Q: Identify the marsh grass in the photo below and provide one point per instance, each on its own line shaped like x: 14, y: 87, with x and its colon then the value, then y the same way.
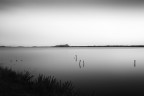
x: 24, y: 84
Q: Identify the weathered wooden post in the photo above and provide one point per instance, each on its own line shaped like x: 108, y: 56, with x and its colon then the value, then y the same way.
x: 79, y: 63
x: 134, y: 63
x: 83, y: 63
x: 76, y: 57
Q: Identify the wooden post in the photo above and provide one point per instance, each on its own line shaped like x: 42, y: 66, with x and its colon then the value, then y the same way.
x: 83, y: 63
x: 76, y: 57
x: 134, y: 63
x: 79, y: 64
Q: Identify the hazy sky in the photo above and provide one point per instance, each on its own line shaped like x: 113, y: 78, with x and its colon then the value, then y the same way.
x: 75, y: 22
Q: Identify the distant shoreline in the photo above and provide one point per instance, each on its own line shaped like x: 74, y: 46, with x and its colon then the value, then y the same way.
x: 100, y: 46
x: 68, y: 46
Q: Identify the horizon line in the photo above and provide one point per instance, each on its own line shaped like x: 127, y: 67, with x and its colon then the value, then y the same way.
x: 66, y: 45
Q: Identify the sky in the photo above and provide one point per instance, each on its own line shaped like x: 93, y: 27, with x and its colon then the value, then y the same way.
x: 73, y: 22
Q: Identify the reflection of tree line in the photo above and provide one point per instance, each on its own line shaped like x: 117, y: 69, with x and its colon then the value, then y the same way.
x: 80, y: 62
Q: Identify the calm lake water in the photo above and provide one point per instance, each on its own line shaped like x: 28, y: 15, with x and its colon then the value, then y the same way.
x: 88, y: 68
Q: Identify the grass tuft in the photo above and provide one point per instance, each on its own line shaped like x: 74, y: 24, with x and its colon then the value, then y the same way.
x: 23, y: 84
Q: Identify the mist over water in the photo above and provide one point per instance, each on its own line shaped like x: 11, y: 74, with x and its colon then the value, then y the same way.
x: 104, y: 70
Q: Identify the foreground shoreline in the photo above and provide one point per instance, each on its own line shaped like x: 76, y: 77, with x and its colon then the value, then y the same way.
x: 23, y: 84
x: 14, y: 83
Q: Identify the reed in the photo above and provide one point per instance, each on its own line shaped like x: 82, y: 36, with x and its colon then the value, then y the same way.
x: 23, y: 84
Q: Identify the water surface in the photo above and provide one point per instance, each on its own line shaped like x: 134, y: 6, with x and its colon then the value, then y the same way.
x: 88, y: 68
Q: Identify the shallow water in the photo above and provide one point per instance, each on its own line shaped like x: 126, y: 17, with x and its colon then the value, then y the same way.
x: 88, y: 68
